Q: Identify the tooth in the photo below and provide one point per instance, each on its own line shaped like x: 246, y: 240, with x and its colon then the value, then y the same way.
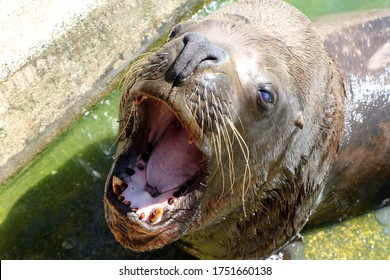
x: 154, y: 193
x: 134, y: 209
x: 127, y: 203
x: 147, y: 152
x: 140, y: 166
x: 155, y: 214
x: 120, y: 198
x: 117, y: 187
x: 145, y: 156
x: 139, y: 100
x: 171, y: 201
x: 183, y: 188
x: 129, y: 171
x: 142, y: 216
x: 177, y: 194
x: 123, y: 187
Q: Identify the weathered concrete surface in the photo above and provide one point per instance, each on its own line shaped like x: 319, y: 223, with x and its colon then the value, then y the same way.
x: 58, y: 57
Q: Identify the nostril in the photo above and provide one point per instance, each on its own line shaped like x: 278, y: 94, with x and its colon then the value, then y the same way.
x: 215, y: 56
x: 197, y: 52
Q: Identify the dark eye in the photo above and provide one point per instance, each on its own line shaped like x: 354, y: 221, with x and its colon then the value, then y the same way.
x: 266, y: 97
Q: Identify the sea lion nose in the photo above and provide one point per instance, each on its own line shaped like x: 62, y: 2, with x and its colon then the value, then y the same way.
x: 197, y: 52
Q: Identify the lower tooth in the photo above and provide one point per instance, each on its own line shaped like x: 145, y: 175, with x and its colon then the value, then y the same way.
x: 140, y: 167
x: 123, y: 187
x: 154, y: 193
x: 156, y: 214
x: 120, y: 198
x: 177, y: 194
x: 183, y: 189
x: 117, y: 185
x: 127, y: 203
x: 129, y: 171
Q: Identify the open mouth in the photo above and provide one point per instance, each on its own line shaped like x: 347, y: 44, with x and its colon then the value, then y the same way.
x: 161, y: 170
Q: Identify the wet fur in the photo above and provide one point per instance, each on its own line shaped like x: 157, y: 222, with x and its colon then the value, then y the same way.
x: 274, y: 174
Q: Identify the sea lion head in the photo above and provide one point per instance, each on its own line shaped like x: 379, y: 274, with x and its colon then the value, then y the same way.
x: 231, y: 125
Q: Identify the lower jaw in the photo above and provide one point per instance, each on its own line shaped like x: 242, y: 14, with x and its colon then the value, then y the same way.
x: 141, y: 236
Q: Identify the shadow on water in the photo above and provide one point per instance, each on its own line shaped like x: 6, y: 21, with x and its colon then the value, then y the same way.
x: 62, y: 217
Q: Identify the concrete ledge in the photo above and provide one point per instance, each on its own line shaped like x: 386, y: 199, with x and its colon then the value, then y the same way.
x: 57, y: 59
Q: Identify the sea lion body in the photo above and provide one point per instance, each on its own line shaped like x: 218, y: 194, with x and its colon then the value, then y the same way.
x: 360, y: 176
x: 228, y: 134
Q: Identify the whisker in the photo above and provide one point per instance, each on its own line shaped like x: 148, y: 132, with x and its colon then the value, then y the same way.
x: 219, y: 156
x: 247, y: 171
x: 227, y: 140
x: 214, y: 145
x: 229, y: 148
x: 229, y: 108
x: 132, y: 115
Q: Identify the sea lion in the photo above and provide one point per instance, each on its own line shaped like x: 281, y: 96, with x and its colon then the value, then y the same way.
x: 360, y: 177
x: 227, y: 135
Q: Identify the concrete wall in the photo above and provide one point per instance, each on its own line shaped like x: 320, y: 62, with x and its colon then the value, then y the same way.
x: 58, y: 57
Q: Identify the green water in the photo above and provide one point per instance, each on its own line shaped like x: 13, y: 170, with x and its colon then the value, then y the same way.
x: 315, y: 8
x: 53, y: 209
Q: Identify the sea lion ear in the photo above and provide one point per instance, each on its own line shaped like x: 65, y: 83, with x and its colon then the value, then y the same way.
x: 299, y: 121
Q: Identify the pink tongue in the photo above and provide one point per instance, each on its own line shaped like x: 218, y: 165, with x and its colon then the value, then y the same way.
x: 173, y: 161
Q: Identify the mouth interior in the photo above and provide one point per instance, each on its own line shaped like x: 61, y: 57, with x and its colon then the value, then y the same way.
x: 168, y: 167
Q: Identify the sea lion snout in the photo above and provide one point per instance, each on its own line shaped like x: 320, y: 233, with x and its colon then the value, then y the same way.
x: 197, y: 52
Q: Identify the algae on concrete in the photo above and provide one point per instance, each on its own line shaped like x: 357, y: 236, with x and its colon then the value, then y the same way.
x: 67, y: 63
